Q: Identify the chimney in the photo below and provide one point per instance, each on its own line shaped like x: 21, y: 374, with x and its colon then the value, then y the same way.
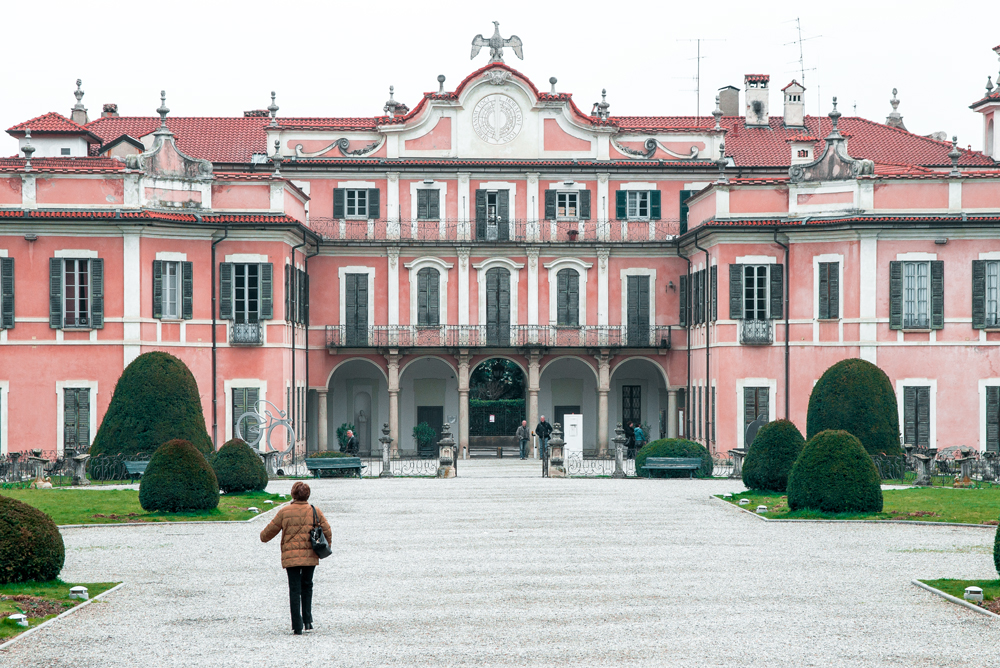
x: 795, y: 105
x: 110, y: 110
x: 757, y: 94
x: 729, y: 100
x: 79, y: 113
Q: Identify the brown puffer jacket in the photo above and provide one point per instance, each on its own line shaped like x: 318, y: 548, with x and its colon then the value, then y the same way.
x: 294, y: 522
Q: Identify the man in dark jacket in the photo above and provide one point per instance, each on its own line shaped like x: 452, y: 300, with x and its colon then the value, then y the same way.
x: 353, y: 446
x: 522, y: 438
x: 543, y: 430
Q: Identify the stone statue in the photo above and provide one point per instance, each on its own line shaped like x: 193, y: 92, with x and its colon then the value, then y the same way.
x: 497, y: 44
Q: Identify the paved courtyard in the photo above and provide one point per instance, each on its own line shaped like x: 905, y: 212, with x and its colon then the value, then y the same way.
x: 491, y: 569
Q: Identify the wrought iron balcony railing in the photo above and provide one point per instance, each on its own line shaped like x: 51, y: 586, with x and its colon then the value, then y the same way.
x: 246, y: 334
x: 486, y: 336
x: 916, y: 322
x: 756, y: 333
x: 514, y: 230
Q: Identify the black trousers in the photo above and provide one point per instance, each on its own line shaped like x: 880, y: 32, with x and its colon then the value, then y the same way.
x: 300, y: 595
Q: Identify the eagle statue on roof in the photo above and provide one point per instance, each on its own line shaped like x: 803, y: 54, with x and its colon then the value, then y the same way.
x: 497, y: 44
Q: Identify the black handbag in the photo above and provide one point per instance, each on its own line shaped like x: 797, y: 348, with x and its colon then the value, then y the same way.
x: 318, y: 538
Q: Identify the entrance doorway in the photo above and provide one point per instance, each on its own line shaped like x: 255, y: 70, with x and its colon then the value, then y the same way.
x: 434, y: 417
x: 496, y: 407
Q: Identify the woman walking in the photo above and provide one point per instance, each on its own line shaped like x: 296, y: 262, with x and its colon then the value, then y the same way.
x: 294, y: 523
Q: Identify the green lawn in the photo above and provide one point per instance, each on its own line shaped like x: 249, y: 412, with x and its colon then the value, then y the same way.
x: 967, y: 506
x: 56, y: 600
x: 991, y: 588
x: 75, y: 506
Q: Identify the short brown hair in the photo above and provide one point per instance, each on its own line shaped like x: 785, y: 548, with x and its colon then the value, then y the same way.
x: 300, y: 491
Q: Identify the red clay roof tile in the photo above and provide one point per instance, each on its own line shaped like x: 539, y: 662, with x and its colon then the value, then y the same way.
x: 52, y: 123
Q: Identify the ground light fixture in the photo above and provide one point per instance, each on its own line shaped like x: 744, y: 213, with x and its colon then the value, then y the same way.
x: 79, y: 592
x: 761, y: 509
x: 744, y: 502
x: 974, y: 594
x: 19, y: 619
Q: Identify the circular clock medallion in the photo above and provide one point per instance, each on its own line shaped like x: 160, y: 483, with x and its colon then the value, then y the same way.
x: 497, y: 119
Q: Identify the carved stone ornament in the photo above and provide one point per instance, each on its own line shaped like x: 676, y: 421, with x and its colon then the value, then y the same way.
x: 602, y: 257
x: 344, y: 145
x: 463, y: 257
x: 533, y: 258
x: 497, y: 44
x: 497, y: 77
x: 650, y: 146
x: 603, y: 178
x: 392, y: 176
x: 497, y: 119
x: 393, y: 257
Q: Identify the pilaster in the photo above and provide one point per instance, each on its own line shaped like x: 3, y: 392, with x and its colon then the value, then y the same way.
x: 603, y: 255
x: 464, y: 231
x: 463, y: 285
x: 603, y: 389
x: 131, y: 300
x: 532, y: 285
x: 392, y: 357
x: 393, y: 291
x: 392, y: 205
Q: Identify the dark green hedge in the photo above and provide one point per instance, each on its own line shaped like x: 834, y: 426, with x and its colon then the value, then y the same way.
x: 996, y: 551
x: 31, y: 547
x: 771, y: 456
x: 835, y: 474
x: 856, y: 396
x: 238, y: 468
x: 156, y: 399
x: 674, y: 447
x: 178, y: 478
x: 327, y: 453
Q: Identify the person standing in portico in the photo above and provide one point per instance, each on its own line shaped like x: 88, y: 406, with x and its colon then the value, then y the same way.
x: 352, y: 446
x: 543, y: 430
x: 522, y: 437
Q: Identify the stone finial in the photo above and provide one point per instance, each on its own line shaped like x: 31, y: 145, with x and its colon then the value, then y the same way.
x: 954, y: 154
x: 601, y: 108
x: 440, y: 84
x: 162, y: 110
x: 78, y: 93
x: 552, y: 82
x: 276, y: 157
x: 27, y: 149
x: 273, y: 109
x: 717, y: 113
x: 835, y: 117
x: 722, y: 163
x: 391, y: 104
x: 894, y: 119
x: 989, y: 84
x: 894, y: 102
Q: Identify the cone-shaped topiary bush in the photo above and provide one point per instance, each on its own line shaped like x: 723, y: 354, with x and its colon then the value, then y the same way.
x: 156, y: 399
x: 178, y: 478
x: 856, y: 396
x: 674, y: 447
x: 771, y: 456
x: 238, y: 468
x: 31, y: 547
x: 835, y: 474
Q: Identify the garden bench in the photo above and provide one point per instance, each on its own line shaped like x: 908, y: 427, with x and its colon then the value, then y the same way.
x: 135, y: 469
x: 690, y: 464
x: 334, y: 464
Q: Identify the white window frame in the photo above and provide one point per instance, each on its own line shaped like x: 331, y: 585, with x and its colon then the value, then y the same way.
x: 995, y: 322
x: 76, y: 299
x: 582, y: 268
x: 515, y: 273
x: 902, y: 384
x: 172, y: 311
x: 623, y: 279
x: 772, y: 385
x: 766, y: 268
x: 342, y: 281
x: 443, y: 268
x: 983, y: 384
x: 245, y: 266
x: 4, y: 401
x: 228, y: 386
x: 61, y: 409
x: 563, y: 198
x: 359, y: 193
x: 641, y: 198
x: 916, y: 302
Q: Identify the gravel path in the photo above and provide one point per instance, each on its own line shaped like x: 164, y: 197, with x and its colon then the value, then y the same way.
x: 505, y: 571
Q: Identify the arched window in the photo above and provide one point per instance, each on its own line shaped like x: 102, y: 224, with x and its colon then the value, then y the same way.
x: 428, y: 297
x: 568, y: 296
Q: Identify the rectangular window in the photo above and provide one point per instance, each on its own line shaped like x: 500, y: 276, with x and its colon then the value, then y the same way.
x: 244, y: 401
x: 76, y: 282
x: 357, y: 203
x: 76, y: 417
x: 638, y: 205
x: 917, y: 416
x: 428, y: 204
x: 246, y: 293
x: 492, y: 202
x: 631, y: 405
x: 566, y: 205
x: 992, y: 296
x: 171, y: 290
x: 993, y: 419
x: 65, y: 151
x: 755, y: 292
x: 916, y: 295
x: 756, y: 403
x: 829, y: 290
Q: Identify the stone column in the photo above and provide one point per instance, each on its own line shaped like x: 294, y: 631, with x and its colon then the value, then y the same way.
x: 671, y: 413
x: 602, y: 207
x: 534, y: 359
x: 393, y: 359
x: 603, y: 389
x: 322, y: 428
x: 463, y: 403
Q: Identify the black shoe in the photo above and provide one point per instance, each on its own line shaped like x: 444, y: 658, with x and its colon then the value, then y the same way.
x: 309, y: 626
x: 297, y: 632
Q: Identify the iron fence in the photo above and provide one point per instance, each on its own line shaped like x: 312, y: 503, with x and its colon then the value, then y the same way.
x: 596, y: 466
x: 484, y: 336
x: 401, y: 466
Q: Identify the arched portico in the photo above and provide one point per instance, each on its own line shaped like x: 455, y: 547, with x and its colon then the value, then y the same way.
x: 358, y: 394
x: 639, y: 394
x: 428, y: 393
x: 569, y: 385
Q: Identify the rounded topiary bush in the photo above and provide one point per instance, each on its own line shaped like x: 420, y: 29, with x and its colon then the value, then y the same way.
x: 156, y: 399
x: 856, y: 396
x: 771, y: 456
x: 31, y: 547
x: 238, y: 468
x: 834, y: 474
x: 178, y: 478
x: 674, y: 447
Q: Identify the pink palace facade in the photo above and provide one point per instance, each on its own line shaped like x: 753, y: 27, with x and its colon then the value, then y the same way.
x: 687, y: 273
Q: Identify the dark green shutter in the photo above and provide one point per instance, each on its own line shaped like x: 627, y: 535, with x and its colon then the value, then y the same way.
x: 374, y: 207
x: 422, y: 280
x: 584, y: 204
x: 993, y: 419
x: 573, y: 297
x: 910, y: 415
x: 187, y: 290
x: 361, y: 320
x: 621, y: 204
x: 777, y: 276
x: 923, y: 417
x: 503, y: 307
x: 434, y: 204
x: 433, y: 297
x: 654, y: 204
x: 305, y: 298
x: 97, y: 293
x: 702, y: 316
x: 550, y: 204
x: 266, y: 291
x: 764, y: 403
x: 896, y: 296
x: 422, y: 204
x: 492, y: 288
x: 749, y: 407
x: 480, y: 214
x: 70, y: 415
x: 683, y: 215
x: 562, y: 298
x: 339, y: 202
x: 735, y: 291
x: 824, y: 290
x: 55, y: 292
x: 226, y: 290
x: 937, y: 294
x: 157, y: 288
x: 713, y: 288
x: 239, y: 408
x: 6, y: 293
x: 289, y: 308
x: 503, y: 215
x: 979, y: 294
x: 83, y: 417
x: 683, y: 301
x: 834, y: 274
x: 351, y: 308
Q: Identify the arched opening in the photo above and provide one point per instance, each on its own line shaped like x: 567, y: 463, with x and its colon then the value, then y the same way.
x: 428, y: 394
x: 568, y: 385
x: 638, y: 397
x: 496, y: 407
x: 357, y: 398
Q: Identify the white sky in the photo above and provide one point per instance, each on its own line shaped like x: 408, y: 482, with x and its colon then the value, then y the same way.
x: 339, y: 58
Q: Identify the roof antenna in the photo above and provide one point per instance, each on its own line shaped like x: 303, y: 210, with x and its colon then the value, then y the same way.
x: 273, y: 108
x: 27, y: 149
